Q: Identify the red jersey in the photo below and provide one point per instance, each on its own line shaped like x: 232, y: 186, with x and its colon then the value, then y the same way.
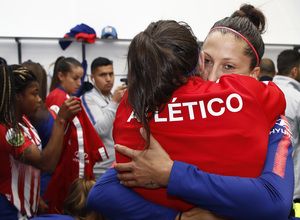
x: 222, y: 128
x: 82, y: 148
x: 19, y: 182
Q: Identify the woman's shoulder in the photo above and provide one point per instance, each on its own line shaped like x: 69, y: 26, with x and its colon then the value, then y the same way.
x: 249, y: 82
x: 56, y: 92
x: 56, y: 97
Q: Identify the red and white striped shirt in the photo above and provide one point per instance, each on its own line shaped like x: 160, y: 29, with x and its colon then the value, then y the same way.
x: 19, y: 182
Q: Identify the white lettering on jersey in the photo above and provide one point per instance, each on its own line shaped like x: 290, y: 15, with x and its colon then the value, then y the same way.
x: 175, y: 109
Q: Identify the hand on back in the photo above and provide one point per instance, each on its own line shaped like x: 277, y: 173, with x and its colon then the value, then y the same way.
x: 150, y: 168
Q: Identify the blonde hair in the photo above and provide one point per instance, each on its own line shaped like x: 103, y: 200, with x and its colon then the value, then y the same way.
x: 75, y: 203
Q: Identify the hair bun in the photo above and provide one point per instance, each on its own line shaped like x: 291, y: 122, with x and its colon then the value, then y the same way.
x: 253, y: 14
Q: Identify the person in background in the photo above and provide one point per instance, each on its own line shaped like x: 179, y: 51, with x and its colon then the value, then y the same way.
x: 74, y: 207
x: 21, y: 155
x: 101, y: 106
x: 82, y: 147
x: 41, y: 75
x: 265, y: 197
x: 267, y: 70
x: 43, y: 122
x: 66, y: 80
x: 288, y: 80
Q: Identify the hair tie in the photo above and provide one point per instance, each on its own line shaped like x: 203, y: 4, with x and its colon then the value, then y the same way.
x: 223, y: 27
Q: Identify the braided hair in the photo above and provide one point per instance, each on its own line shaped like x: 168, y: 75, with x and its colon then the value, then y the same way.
x: 13, y: 79
x: 7, y: 93
x: 23, y: 77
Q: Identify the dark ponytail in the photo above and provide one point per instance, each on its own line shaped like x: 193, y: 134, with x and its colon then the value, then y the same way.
x: 159, y: 60
x: 254, y: 15
x: 63, y: 65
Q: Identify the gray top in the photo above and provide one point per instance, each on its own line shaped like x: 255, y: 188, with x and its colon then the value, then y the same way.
x: 102, y: 112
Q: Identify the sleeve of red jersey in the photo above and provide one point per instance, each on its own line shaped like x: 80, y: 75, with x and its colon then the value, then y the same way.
x: 268, y: 95
x: 18, y: 150
x: 55, y: 99
x: 15, y: 147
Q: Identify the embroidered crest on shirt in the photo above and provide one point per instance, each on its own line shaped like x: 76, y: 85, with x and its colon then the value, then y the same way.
x: 13, y: 138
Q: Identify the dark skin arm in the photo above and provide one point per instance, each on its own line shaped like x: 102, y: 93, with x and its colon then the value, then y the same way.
x: 43, y: 207
x: 47, y: 159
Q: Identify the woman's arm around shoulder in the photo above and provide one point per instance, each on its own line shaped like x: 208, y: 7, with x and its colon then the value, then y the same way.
x: 114, y: 201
